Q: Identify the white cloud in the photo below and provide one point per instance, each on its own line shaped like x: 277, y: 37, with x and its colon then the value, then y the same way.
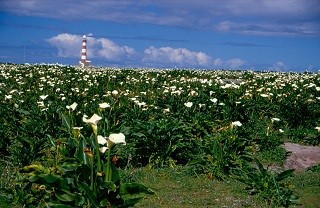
x: 69, y: 46
x: 180, y: 57
x: 113, y: 52
x: 278, y: 66
x: 235, y: 63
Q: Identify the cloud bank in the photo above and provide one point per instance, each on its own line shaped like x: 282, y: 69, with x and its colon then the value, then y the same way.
x: 263, y: 17
x: 103, y: 49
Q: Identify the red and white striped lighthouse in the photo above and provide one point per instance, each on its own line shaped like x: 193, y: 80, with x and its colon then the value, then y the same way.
x: 84, y: 62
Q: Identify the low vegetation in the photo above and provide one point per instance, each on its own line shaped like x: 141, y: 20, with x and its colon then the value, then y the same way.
x: 152, y: 138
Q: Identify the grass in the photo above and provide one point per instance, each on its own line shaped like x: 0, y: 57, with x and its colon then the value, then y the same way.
x: 307, y: 186
x: 180, y: 187
x: 177, y: 188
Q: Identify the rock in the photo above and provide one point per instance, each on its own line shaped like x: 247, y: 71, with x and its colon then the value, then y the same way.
x: 301, y: 157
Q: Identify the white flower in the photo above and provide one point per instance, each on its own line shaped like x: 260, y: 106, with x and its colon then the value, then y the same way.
x: 117, y: 138
x: 114, y: 92
x: 188, y: 104
x: 103, y: 149
x: 93, y: 120
x: 101, y: 140
x: 104, y: 105
x: 281, y: 131
x: 72, y: 107
x: 41, y: 104
x: 7, y: 97
x: 264, y: 95
x: 43, y: 96
x: 214, y: 100
x: 141, y: 104
x: 236, y: 123
x: 275, y: 119
x: 318, y: 128
x: 166, y: 110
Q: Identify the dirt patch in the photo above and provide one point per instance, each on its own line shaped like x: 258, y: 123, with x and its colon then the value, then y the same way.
x: 301, y: 157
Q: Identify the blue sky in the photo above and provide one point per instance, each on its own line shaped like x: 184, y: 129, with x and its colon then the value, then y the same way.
x: 281, y: 35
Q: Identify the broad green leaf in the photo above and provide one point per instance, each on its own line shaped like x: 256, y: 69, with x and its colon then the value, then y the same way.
x: 109, y: 185
x: 284, y: 174
x: 105, y: 203
x: 53, y: 205
x: 69, y: 167
x: 89, y: 193
x: 33, y: 178
x: 23, y: 111
x: 65, y: 122
x: 49, y: 178
x: 81, y: 155
x: 67, y: 197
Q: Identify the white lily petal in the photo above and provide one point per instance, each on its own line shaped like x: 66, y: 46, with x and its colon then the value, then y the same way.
x: 103, y: 149
x: 236, y: 123
x: 117, y: 138
x: 101, y: 140
x: 93, y: 120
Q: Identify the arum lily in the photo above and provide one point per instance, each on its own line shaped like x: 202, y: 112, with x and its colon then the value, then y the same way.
x: 8, y: 97
x: 214, y: 100
x: 117, y: 138
x: 236, y: 123
x: 43, y: 96
x: 188, y: 104
x: 72, y: 107
x: 104, y: 105
x: 275, y: 119
x: 93, y: 121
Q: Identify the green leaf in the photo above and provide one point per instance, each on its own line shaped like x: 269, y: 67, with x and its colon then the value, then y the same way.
x: 89, y: 193
x: 134, y: 188
x: 33, y: 178
x: 53, y: 142
x: 139, y: 134
x: 284, y: 174
x: 109, y: 185
x: 67, y: 197
x: 105, y: 203
x: 23, y: 111
x: 81, y: 155
x: 50, y: 204
x: 49, y: 178
x: 69, y: 167
x: 65, y: 122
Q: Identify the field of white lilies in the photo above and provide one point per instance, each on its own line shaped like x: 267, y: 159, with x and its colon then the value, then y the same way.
x: 68, y: 131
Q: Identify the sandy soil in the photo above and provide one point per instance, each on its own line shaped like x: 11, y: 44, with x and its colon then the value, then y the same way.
x: 301, y: 157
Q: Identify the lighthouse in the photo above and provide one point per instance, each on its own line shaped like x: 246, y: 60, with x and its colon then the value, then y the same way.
x: 83, y: 61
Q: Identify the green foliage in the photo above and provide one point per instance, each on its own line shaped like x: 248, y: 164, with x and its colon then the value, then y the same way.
x: 271, y: 186
x: 149, y: 107
x: 79, y: 175
x: 224, y: 153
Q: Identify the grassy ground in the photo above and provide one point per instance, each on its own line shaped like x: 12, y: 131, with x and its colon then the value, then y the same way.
x: 178, y: 188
